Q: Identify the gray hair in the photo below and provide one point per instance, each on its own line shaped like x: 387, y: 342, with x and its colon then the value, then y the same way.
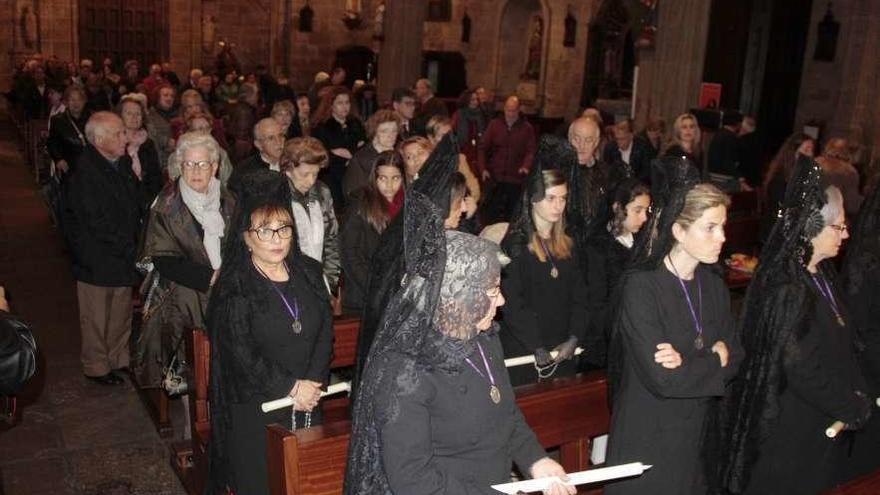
x: 833, y: 208
x: 96, y: 127
x: 188, y: 141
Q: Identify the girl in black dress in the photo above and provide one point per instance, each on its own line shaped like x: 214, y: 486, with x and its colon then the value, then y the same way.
x: 800, y: 373
x: 608, y: 252
x: 543, y: 284
x: 271, y: 334
x: 675, y: 334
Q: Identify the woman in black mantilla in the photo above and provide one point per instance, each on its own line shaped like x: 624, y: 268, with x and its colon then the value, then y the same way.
x: 674, y: 331
x: 800, y: 373
x: 861, y: 281
x: 544, y: 286
x: 271, y: 334
x: 608, y: 253
x: 435, y: 412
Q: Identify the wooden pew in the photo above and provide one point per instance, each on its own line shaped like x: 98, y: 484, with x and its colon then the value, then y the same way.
x: 190, y: 461
x: 564, y: 413
x: 868, y: 484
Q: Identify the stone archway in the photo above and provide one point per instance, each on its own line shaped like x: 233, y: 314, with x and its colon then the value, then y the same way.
x: 521, y: 60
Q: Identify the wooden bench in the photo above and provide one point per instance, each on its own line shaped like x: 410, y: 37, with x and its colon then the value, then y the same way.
x: 564, y: 413
x: 190, y: 461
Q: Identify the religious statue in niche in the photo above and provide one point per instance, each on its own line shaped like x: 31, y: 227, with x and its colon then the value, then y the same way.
x: 306, y: 18
x: 826, y: 39
x: 353, y: 14
x: 28, y: 26
x: 439, y: 10
x: 645, y: 17
x: 379, y: 22
x: 209, y: 29
x: 570, y: 37
x: 535, y: 47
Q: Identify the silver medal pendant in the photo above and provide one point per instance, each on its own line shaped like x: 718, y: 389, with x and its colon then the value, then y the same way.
x: 495, y: 394
x: 554, y: 272
x: 698, y: 342
x: 296, y: 326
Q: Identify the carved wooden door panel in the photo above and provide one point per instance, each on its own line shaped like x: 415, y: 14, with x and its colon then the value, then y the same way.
x: 123, y: 30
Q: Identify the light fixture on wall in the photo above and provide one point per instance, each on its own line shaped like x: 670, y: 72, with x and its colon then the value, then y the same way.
x: 826, y: 38
x: 466, y: 28
x: 306, y: 18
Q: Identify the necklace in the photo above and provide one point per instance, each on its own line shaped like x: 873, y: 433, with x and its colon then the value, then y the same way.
x: 553, y: 271
x: 296, y: 326
x: 494, y: 391
x: 698, y: 323
x: 828, y: 295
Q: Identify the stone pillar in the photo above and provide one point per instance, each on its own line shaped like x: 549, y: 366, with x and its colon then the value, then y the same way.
x: 671, y: 73
x: 400, y: 58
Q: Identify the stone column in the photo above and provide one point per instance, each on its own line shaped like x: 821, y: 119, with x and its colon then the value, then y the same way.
x: 400, y: 58
x: 671, y: 73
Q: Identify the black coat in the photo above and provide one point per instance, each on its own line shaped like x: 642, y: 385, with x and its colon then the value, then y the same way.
x: 67, y: 137
x: 357, y: 242
x: 639, y: 159
x: 606, y: 260
x: 723, y: 154
x: 821, y: 377
x: 151, y: 173
x: 102, y: 220
x: 242, y: 169
x: 659, y: 414
x: 333, y: 135
x: 447, y: 436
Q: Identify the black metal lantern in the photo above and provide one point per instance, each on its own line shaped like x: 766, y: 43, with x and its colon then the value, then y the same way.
x: 306, y: 18
x: 466, y: 28
x: 826, y: 41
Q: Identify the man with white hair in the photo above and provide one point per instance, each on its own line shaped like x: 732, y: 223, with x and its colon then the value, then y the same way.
x: 269, y: 142
x: 429, y: 105
x: 102, y: 223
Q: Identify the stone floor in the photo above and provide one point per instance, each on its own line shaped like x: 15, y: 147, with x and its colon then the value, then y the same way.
x: 75, y: 437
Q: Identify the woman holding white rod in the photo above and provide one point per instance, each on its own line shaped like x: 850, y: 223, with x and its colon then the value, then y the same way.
x: 800, y: 373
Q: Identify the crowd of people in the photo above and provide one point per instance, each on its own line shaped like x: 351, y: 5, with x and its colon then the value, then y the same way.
x: 233, y: 203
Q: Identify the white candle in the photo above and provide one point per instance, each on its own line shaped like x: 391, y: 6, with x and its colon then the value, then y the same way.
x: 579, y: 478
x: 283, y: 402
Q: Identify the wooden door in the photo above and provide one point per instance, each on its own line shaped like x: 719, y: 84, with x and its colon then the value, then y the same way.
x: 123, y: 30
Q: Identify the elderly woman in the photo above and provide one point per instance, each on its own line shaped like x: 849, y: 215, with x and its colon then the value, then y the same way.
x: 316, y: 226
x: 284, y: 112
x: 836, y: 163
x: 201, y: 123
x: 159, y: 118
x: 144, y: 155
x: 435, y: 378
x: 187, y: 225
x: 67, y: 137
x: 675, y: 334
x: 370, y: 212
x: 271, y: 334
x: 382, y: 129
x: 800, y: 373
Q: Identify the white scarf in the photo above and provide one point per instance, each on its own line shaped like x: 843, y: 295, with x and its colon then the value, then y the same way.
x: 206, y: 210
x: 309, y: 228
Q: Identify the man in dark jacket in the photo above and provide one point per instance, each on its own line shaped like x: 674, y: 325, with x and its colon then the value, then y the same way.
x: 429, y: 106
x: 505, y: 155
x: 631, y: 152
x: 269, y: 141
x: 102, y: 219
x: 723, y: 155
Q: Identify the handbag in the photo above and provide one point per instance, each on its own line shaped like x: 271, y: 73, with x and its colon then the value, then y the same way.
x: 174, y: 374
x: 18, y: 354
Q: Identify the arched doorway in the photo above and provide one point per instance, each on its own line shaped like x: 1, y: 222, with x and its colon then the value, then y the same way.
x: 521, y: 58
x: 608, y: 73
x: 358, y: 61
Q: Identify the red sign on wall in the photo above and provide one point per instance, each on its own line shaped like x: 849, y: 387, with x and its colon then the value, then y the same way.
x: 710, y: 95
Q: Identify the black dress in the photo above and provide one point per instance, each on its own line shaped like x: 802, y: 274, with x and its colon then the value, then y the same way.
x: 659, y: 415
x: 266, y: 357
x: 449, y: 437
x: 357, y: 242
x: 541, y: 311
x: 333, y: 134
x: 606, y: 260
x: 821, y: 375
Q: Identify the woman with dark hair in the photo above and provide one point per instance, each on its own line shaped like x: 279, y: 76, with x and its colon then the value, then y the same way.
x: 779, y: 173
x: 370, y: 212
x: 544, y: 285
x: 800, y: 373
x: 271, y: 333
x: 143, y: 152
x: 608, y: 252
x: 469, y: 123
x: 341, y: 133
x: 67, y: 137
x: 673, y: 348
x: 861, y: 282
x: 435, y: 412
x: 382, y: 129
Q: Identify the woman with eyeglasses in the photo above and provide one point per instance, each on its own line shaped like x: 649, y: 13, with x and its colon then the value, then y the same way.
x: 181, y: 250
x: 271, y: 334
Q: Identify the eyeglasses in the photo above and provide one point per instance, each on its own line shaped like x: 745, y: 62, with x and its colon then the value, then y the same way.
x: 266, y: 234
x: 840, y: 228
x: 202, y: 165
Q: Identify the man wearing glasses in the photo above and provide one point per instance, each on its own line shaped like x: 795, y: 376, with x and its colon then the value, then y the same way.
x: 269, y: 142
